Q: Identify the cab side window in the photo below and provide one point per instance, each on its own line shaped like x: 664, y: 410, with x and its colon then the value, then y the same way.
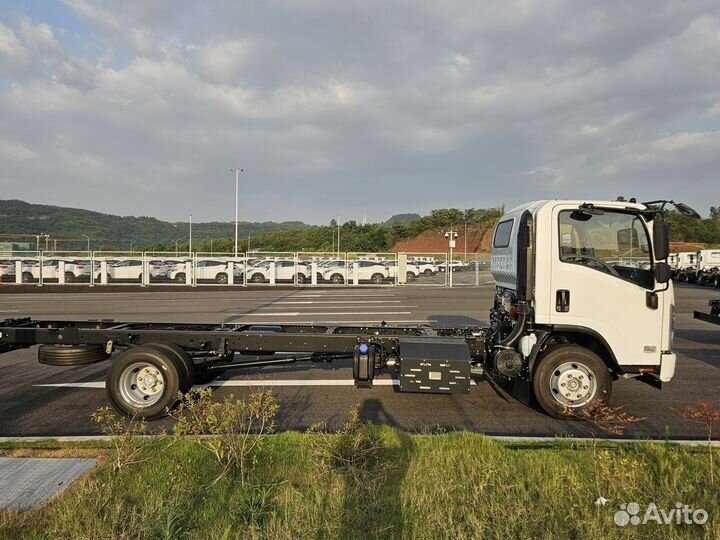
x: 615, y: 243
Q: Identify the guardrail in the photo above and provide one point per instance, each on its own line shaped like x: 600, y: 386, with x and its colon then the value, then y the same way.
x: 300, y: 269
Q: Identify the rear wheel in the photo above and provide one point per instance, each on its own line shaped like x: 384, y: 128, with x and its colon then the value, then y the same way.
x: 144, y: 381
x: 427, y: 272
x: 257, y: 278
x: 410, y: 276
x: 69, y: 277
x: 568, y: 379
x: 27, y: 277
x: 337, y: 279
x: 377, y: 279
x: 180, y: 278
x: 300, y: 279
x: 221, y: 278
x: 183, y: 361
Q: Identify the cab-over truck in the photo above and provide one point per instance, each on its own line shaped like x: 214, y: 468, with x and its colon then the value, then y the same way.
x: 583, y: 297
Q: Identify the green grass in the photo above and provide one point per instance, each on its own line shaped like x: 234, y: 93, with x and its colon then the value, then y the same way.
x: 457, y: 485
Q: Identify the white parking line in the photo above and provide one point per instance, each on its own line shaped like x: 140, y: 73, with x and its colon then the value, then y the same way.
x: 249, y: 383
x: 337, y: 302
x: 335, y: 322
x: 316, y: 313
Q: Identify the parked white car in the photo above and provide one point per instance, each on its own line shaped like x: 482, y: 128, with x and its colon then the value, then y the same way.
x: 412, y: 271
x: 7, y: 270
x: 427, y: 268
x: 205, y: 270
x: 368, y: 271
x: 126, y: 270
x: 74, y: 270
x: 285, y: 271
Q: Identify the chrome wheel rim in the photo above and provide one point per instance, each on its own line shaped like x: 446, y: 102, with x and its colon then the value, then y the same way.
x: 573, y: 384
x: 142, y: 384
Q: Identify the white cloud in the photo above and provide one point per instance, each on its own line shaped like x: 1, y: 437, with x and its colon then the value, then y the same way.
x: 38, y: 36
x: 10, y: 46
x: 327, y: 104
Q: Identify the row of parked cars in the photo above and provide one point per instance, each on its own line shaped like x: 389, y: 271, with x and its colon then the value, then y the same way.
x: 337, y: 271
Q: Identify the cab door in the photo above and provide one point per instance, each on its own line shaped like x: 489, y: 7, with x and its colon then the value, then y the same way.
x: 601, y: 274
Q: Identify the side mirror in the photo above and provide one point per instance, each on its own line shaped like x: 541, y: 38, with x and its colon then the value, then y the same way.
x: 662, y: 272
x: 661, y: 239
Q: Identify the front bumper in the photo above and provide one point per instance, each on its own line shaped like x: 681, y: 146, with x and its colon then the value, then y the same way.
x: 667, y: 366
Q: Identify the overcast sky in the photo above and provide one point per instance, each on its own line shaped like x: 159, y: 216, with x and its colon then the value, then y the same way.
x: 356, y: 107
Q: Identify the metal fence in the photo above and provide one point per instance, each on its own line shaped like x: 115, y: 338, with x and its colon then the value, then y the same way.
x: 245, y: 270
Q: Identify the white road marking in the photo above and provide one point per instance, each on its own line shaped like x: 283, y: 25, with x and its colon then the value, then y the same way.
x: 316, y: 313
x: 249, y: 383
x: 336, y: 302
x: 335, y: 322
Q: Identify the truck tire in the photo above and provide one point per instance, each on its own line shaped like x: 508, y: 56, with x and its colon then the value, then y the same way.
x: 187, y: 368
x: 568, y: 378
x: 144, y: 381
x: 71, y: 355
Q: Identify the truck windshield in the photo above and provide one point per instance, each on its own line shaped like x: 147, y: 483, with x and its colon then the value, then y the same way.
x: 615, y: 243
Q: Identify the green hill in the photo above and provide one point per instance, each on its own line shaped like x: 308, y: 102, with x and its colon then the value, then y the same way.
x: 402, y: 219
x: 108, y: 231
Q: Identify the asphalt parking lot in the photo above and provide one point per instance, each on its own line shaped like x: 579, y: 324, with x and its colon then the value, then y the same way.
x: 37, y: 400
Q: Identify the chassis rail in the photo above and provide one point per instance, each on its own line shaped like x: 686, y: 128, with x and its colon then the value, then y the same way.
x: 714, y: 316
x: 222, y: 340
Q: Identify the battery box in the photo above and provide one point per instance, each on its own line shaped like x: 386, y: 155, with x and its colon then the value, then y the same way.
x: 434, y: 365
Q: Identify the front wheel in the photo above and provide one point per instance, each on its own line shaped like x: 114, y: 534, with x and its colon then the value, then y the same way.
x: 300, y: 279
x: 337, y: 279
x: 27, y: 277
x: 257, y: 278
x: 568, y: 379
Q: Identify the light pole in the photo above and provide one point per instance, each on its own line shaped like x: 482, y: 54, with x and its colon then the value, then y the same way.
x: 211, y: 245
x: 465, y: 238
x: 88, y: 239
x: 451, y: 236
x: 131, y: 247
x: 338, y: 244
x: 237, y: 172
x: 176, y: 247
x: 190, y: 238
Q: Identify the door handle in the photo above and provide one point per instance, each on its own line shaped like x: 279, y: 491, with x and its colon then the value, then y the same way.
x: 562, y: 300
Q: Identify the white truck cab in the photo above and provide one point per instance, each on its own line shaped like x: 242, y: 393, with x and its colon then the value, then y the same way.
x: 583, y: 296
